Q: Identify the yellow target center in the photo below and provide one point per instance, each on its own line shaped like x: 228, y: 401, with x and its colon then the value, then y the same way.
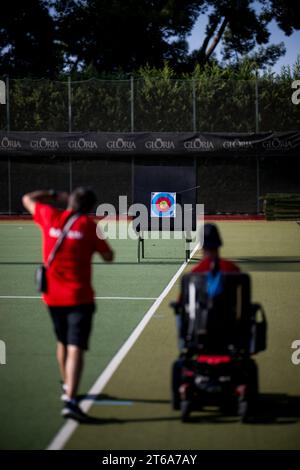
x: 163, y: 205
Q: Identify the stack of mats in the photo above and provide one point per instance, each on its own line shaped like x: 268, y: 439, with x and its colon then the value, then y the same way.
x: 282, y: 206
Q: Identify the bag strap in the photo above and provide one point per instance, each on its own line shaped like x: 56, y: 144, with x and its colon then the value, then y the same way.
x: 61, y: 238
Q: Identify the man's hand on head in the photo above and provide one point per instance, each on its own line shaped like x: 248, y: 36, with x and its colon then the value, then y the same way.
x: 48, y: 196
x: 62, y: 197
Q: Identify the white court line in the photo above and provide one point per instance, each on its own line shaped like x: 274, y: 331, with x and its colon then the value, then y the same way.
x: 67, y: 430
x: 98, y: 298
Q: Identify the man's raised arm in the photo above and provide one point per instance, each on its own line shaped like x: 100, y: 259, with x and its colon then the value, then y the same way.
x: 44, y: 196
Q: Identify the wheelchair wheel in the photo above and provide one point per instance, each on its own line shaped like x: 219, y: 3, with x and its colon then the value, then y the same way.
x: 176, y: 381
x: 253, y: 382
x: 175, y: 400
x: 185, y: 407
x: 243, y: 409
x: 247, y: 405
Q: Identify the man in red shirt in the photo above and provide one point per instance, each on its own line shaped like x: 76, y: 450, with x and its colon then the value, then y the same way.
x: 69, y: 296
x: 211, y: 260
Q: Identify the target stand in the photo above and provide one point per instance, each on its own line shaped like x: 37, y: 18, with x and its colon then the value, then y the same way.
x: 168, y: 190
x: 141, y: 247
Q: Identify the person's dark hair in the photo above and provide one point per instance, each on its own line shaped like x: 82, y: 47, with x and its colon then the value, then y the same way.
x: 211, y: 238
x: 82, y: 200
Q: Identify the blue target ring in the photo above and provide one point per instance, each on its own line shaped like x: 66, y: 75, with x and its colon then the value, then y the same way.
x: 163, y: 204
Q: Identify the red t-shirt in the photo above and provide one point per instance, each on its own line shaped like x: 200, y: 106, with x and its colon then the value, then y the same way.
x: 225, y: 266
x: 69, y: 276
x: 204, y: 266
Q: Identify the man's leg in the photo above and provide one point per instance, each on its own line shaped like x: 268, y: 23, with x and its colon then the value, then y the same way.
x: 73, y: 369
x: 61, y: 356
x: 78, y: 331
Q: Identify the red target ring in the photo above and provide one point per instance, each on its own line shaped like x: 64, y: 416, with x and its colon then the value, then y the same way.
x: 163, y: 204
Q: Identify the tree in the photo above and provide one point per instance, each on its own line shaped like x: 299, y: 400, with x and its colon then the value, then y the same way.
x: 240, y: 28
x: 285, y: 12
x: 27, y: 40
x: 118, y: 34
x: 112, y: 34
x: 43, y: 38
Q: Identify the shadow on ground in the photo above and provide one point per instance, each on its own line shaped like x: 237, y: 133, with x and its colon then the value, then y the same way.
x: 280, y: 409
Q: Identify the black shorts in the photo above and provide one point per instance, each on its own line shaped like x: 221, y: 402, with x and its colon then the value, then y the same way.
x: 72, y: 325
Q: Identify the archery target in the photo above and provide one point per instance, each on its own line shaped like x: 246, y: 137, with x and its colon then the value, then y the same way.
x: 163, y: 204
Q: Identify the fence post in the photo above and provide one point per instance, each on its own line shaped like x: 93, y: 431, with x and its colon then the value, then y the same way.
x: 69, y: 104
x: 7, y: 105
x: 70, y: 130
x: 257, y: 130
x: 2, y: 92
x: 194, y: 106
x: 256, y: 103
x: 132, y: 103
x: 70, y: 174
x: 257, y: 184
x: 9, y: 184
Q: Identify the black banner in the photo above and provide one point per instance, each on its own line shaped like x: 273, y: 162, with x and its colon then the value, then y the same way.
x: 151, y: 143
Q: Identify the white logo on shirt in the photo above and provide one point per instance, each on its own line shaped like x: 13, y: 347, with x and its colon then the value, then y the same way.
x: 72, y: 234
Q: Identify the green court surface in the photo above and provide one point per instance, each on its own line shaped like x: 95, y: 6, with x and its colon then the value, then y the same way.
x: 133, y: 409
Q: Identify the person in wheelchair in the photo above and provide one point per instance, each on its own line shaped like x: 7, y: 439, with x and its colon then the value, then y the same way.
x: 210, y: 263
x: 218, y: 334
x: 211, y: 253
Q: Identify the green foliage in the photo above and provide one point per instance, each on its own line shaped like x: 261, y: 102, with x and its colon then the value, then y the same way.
x: 101, y: 105
x: 212, y: 98
x: 38, y: 105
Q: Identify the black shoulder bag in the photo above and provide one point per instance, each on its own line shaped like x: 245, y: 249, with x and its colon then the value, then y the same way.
x: 40, y: 274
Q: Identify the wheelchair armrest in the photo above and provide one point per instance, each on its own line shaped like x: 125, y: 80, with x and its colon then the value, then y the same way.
x: 258, y: 308
x: 260, y: 328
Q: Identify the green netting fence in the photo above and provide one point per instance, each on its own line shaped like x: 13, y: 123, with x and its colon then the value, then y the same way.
x: 206, y: 105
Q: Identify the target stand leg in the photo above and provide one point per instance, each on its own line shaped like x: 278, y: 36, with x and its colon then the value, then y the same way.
x: 188, y: 241
x: 141, y: 248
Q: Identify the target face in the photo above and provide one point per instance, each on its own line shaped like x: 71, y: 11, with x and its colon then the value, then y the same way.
x: 163, y: 204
